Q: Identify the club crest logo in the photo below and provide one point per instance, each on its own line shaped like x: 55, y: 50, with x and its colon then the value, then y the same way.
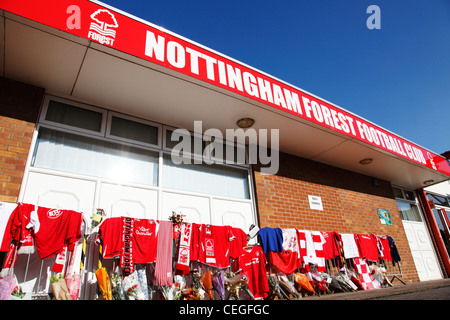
x: 54, y: 213
x: 102, y: 27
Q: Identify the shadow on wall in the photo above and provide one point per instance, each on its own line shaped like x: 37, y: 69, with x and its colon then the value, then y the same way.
x: 297, y: 168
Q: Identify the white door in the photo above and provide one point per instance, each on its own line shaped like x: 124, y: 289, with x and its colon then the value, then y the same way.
x: 119, y: 200
x: 422, y: 250
x: 232, y: 213
x: 196, y: 209
x: 52, y: 191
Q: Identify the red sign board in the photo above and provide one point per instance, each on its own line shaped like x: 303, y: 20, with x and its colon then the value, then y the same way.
x: 111, y: 27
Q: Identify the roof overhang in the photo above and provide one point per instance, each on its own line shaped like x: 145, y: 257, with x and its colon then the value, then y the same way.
x: 78, y: 68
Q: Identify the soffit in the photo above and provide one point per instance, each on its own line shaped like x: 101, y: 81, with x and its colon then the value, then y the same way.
x: 79, y: 69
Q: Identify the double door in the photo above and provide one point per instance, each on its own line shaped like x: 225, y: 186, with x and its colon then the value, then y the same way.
x: 422, y: 251
x: 85, y: 194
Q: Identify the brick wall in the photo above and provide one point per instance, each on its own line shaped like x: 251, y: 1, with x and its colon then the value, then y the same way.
x: 19, y: 109
x: 350, y: 203
x: 15, y: 141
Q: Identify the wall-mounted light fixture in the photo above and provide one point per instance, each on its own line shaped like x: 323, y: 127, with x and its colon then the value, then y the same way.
x: 245, y: 123
x: 366, y: 161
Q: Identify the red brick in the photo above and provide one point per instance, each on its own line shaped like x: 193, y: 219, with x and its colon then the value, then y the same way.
x: 350, y: 206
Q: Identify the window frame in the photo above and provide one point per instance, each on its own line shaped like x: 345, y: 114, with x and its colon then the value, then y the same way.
x: 447, y: 198
x: 404, y: 199
x: 108, y: 134
x: 212, y: 158
x: 46, y: 102
x: 161, y: 147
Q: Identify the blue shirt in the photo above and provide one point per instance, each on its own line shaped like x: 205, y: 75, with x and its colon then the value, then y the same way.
x: 271, y: 239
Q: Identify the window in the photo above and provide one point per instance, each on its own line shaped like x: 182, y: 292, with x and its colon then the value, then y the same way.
x: 398, y: 193
x: 403, y: 194
x: 78, y: 154
x: 60, y: 113
x: 216, y: 150
x: 406, y: 203
x: 442, y: 217
x: 91, y: 141
x: 127, y: 129
x: 438, y: 200
x: 203, y: 178
x: 409, y: 211
x: 409, y: 195
x: 195, y: 143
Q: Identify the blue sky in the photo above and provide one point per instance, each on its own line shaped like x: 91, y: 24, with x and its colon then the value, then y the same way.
x: 397, y: 77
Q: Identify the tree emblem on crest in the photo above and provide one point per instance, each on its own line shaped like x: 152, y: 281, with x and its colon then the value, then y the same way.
x: 105, y: 20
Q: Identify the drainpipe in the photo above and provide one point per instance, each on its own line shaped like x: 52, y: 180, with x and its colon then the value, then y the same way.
x: 435, y: 229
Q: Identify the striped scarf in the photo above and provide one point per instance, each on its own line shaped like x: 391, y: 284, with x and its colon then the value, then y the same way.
x: 184, y: 248
x: 163, y: 265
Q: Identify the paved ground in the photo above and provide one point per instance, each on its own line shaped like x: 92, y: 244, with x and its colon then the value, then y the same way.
x: 436, y: 294
x: 439, y: 289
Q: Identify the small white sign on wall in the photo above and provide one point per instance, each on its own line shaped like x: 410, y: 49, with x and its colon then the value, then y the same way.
x: 315, y: 202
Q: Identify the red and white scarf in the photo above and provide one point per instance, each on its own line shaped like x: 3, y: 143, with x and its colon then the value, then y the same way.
x: 21, y: 230
x: 60, y: 261
x: 367, y: 280
x: 6, y: 216
x: 311, y: 248
x: 163, y: 265
x: 10, y: 261
x: 184, y: 251
x: 126, y: 258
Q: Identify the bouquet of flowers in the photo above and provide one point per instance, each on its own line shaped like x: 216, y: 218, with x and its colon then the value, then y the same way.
x: 177, y: 220
x: 132, y: 288
x: 190, y: 294
x: 207, y: 284
x: 175, y: 291
x: 104, y: 283
x: 301, y: 280
x: 97, y: 217
x: 17, y: 292
x: 176, y: 217
x: 218, y: 281
x: 197, y: 285
x: 7, y: 285
x: 59, y: 287
x: 73, y: 285
x: 116, y: 287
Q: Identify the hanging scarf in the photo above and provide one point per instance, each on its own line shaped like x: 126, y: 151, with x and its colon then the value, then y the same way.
x: 365, y: 275
x: 184, y: 251
x: 6, y: 216
x: 286, y: 261
x: 20, y: 230
x: 58, y: 265
x: 163, y: 265
x: 210, y: 251
x: 126, y: 258
x: 10, y: 261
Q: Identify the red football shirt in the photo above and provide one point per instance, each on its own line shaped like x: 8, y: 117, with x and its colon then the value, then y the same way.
x: 368, y: 246
x: 145, y: 240
x: 253, y: 265
x: 110, y: 232
x: 238, y: 241
x: 54, y: 229
x: 214, y: 248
